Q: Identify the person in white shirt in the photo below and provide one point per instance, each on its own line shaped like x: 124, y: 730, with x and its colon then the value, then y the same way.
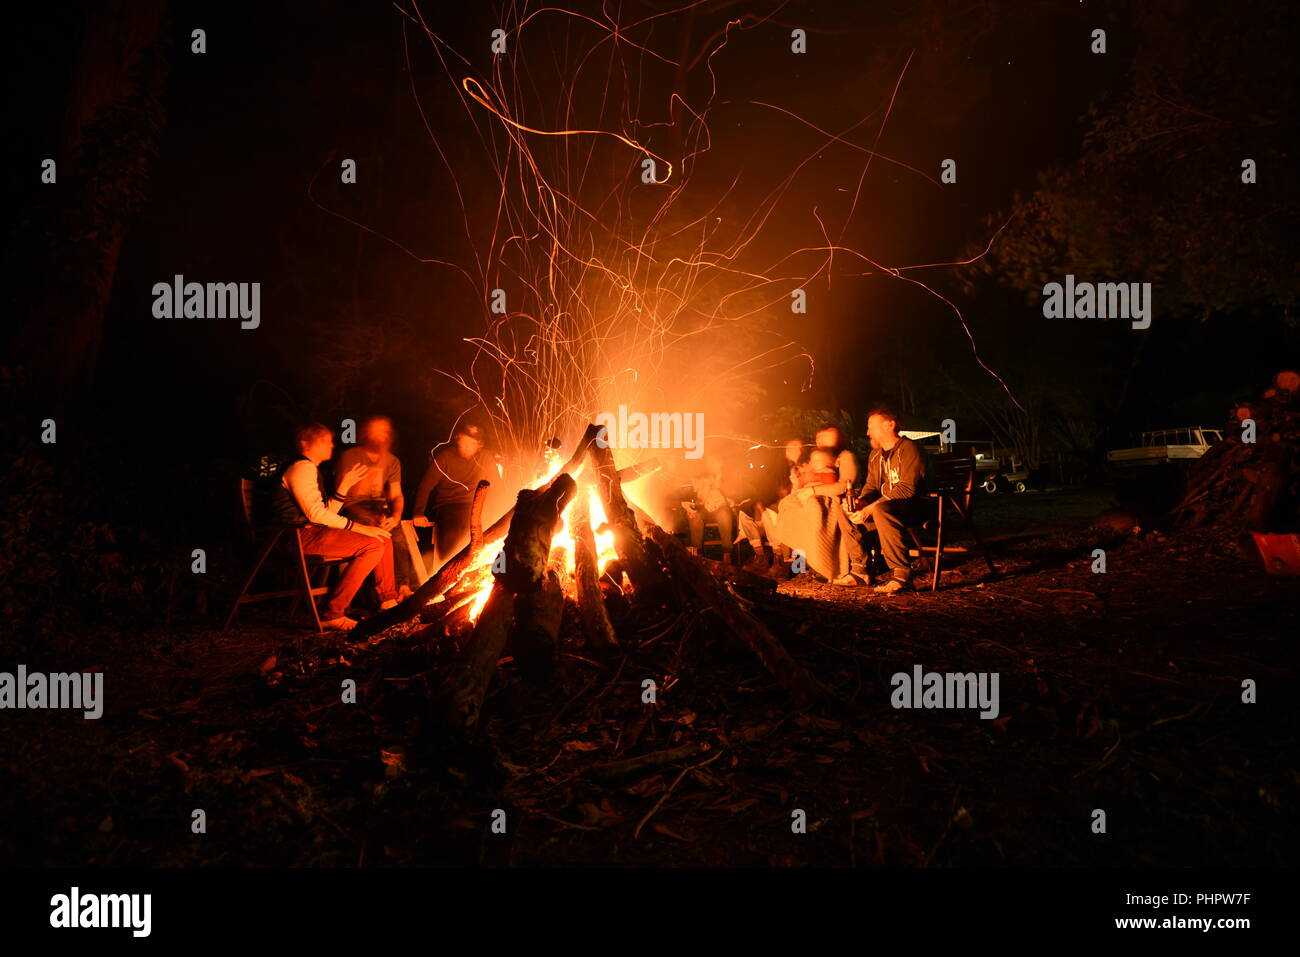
x: 329, y: 535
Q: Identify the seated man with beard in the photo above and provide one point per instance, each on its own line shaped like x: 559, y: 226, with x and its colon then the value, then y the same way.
x: 894, y: 494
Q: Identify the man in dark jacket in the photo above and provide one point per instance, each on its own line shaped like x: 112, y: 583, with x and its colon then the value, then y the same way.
x: 893, y: 495
x: 446, y: 493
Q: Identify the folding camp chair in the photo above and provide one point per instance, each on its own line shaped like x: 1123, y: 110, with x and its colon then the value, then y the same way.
x: 303, y: 568
x: 952, y: 485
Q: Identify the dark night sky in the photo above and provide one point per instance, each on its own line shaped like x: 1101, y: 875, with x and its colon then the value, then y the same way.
x: 287, y: 88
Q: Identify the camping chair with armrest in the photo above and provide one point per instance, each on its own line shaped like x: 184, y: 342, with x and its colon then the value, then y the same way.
x: 951, y: 489
x: 304, y: 565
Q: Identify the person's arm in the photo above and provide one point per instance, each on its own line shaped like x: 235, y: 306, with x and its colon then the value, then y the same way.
x: 396, y: 503
x: 393, y: 492
x: 829, y: 489
x: 424, y: 491
x: 848, y: 468
x: 907, y: 458
x: 300, y: 479
x: 870, y: 493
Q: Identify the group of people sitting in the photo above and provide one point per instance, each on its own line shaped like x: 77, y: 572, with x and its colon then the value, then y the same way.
x: 817, y: 515
x: 357, y: 519
x: 824, y: 513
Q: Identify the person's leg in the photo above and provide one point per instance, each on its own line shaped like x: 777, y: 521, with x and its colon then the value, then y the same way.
x: 753, y: 532
x: 750, y: 529
x: 403, y: 571
x: 373, y: 513
x: 385, y: 577
x: 695, y: 519
x: 366, y: 555
x: 852, y: 535
x: 726, y: 520
x: 890, y: 516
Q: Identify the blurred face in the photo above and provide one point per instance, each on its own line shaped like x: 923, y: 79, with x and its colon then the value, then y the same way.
x: 821, y: 460
x: 881, y: 431
x: 378, y: 436
x: 320, y: 449
x: 828, y: 439
x: 468, y: 446
x: 794, y: 449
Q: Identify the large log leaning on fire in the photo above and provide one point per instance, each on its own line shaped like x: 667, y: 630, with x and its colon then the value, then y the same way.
x: 647, y: 578
x: 451, y: 572
x: 534, y: 639
x: 514, y: 598
x: 539, y: 600
x: 802, y: 687
x: 591, y: 601
x: 461, y: 695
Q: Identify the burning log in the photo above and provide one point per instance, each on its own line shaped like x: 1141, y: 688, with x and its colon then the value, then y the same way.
x: 464, y: 688
x: 525, y: 607
x: 527, y: 550
x: 540, y: 599
x: 451, y: 573
x: 536, y: 516
x: 447, y: 576
x: 535, y: 638
x: 591, y: 600
x: 686, y: 570
x: 641, y: 566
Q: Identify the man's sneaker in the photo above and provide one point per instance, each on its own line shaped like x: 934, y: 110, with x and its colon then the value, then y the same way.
x: 893, y: 586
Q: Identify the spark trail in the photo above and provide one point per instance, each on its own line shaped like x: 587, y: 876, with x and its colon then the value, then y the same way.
x: 630, y: 275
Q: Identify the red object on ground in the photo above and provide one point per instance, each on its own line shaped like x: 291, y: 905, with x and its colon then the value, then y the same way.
x: 1281, y: 553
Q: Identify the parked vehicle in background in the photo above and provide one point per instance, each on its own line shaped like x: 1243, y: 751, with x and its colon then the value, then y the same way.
x: 1165, y: 446
x: 996, y: 470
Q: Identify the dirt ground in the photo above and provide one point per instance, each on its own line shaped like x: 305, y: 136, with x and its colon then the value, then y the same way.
x: 1119, y: 691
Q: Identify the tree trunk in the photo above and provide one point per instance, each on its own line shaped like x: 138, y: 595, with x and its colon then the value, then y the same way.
x: 113, y: 117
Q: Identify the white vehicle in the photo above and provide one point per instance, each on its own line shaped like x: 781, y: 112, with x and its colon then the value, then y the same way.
x: 994, y: 471
x: 1166, y: 445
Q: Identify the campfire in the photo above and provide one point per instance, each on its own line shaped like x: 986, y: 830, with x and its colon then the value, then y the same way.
x: 584, y: 511
x: 572, y: 540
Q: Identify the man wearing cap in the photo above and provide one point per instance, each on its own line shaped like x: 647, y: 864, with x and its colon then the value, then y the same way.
x: 446, y: 492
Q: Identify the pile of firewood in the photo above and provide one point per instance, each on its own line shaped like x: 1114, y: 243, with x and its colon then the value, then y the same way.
x: 654, y: 575
x: 1252, y: 486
